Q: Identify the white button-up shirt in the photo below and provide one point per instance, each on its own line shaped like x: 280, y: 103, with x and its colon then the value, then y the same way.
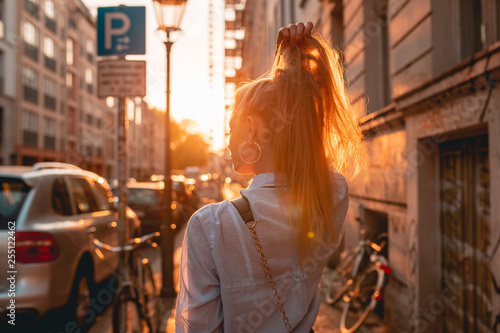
x: 223, y: 286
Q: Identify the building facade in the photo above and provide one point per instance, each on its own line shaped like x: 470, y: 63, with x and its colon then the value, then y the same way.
x: 49, y: 104
x: 423, y: 76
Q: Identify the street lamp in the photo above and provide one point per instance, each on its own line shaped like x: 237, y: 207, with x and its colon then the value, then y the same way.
x: 169, y: 15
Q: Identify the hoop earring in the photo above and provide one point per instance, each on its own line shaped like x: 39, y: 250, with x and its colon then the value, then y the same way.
x: 241, y: 148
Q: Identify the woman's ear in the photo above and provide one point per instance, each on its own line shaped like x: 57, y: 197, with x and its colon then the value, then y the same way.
x: 252, y: 129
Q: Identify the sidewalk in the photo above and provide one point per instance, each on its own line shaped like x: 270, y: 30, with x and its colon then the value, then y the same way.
x: 328, y: 320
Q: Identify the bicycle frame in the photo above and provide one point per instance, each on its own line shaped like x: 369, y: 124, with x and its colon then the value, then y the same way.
x: 132, y: 284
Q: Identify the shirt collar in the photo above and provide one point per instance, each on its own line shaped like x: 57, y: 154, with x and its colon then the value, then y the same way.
x: 262, y: 179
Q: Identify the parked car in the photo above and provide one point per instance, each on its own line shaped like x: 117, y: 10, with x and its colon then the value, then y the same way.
x: 146, y: 199
x: 54, y: 211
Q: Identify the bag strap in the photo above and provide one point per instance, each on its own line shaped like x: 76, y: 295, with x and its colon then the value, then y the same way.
x: 242, y: 205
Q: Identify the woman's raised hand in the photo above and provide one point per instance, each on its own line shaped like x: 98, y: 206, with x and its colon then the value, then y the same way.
x: 293, y: 33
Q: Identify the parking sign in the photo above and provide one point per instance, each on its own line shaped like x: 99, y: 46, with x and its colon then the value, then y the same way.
x: 121, y: 30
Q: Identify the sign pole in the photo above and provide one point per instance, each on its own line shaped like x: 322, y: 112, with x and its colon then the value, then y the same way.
x: 123, y: 174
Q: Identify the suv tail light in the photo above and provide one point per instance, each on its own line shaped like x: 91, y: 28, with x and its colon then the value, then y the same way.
x: 35, y: 247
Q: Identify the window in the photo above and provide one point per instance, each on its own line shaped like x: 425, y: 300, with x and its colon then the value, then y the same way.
x: 30, y: 33
x: 62, y: 99
x: 49, y: 9
x: 2, y: 19
x: 82, y: 196
x: 104, y: 197
x: 48, y: 47
x: 89, y: 79
x: 110, y: 102
x: 90, y: 50
x: 458, y: 31
x: 49, y: 53
x: 49, y: 139
x: 472, y: 29
x: 88, y: 112
x: 30, y: 83
x: 50, y: 126
x: 70, y: 55
x: 337, y: 32
x: 31, y: 39
x: 377, y: 78
x: 50, y: 87
x: 30, y: 128
x: 32, y: 7
x: 70, y: 84
x: 60, y: 197
x: 72, y: 121
x: 50, y: 15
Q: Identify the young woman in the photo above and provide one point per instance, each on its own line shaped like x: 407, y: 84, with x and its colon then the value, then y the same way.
x: 294, y: 130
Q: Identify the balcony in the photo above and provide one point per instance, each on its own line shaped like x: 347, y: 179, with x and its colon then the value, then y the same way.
x: 31, y: 51
x: 49, y: 102
x: 51, y: 24
x: 30, y: 94
x: 50, y: 63
x: 32, y: 8
x: 49, y: 142
x: 30, y: 138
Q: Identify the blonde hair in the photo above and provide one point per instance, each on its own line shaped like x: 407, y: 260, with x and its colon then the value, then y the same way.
x: 312, y: 129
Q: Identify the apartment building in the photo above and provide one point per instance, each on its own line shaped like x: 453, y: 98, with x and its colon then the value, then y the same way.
x: 423, y: 76
x: 8, y: 73
x: 49, y: 104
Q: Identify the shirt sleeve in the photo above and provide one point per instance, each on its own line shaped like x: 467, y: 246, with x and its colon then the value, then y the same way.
x: 199, y: 305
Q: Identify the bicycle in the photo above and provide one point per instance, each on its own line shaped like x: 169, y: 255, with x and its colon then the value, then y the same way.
x: 134, y: 309
x: 358, y: 279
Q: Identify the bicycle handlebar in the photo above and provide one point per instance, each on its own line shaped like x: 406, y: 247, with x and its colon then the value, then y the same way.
x: 132, y: 243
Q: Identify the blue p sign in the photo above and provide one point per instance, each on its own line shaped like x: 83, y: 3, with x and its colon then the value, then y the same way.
x: 121, y: 30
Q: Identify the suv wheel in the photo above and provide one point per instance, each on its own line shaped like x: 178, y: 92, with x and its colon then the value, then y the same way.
x: 79, y: 303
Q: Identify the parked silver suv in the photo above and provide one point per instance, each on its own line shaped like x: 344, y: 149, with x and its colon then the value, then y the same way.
x: 52, y: 212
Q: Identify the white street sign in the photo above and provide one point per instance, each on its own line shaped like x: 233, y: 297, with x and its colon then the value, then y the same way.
x: 122, y: 78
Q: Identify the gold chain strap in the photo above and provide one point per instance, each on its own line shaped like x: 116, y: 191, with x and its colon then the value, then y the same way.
x: 269, y: 276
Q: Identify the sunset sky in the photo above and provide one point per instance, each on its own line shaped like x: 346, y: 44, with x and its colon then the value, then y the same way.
x: 191, y: 97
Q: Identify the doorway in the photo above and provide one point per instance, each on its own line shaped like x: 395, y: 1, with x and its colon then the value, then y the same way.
x: 465, y: 234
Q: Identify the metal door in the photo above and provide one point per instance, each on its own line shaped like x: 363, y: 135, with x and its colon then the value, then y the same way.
x: 465, y: 231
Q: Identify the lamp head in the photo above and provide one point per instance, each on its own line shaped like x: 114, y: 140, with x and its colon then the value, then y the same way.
x: 169, y: 14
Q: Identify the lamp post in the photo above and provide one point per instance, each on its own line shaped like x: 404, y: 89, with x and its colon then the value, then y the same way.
x: 169, y: 15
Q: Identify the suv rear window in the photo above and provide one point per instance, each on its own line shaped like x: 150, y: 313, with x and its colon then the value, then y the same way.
x: 13, y: 192
x: 83, y: 196
x: 143, y: 196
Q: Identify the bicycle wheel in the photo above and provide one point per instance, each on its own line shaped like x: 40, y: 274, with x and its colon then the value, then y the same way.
x: 362, y: 299
x: 340, y: 279
x: 126, y: 313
